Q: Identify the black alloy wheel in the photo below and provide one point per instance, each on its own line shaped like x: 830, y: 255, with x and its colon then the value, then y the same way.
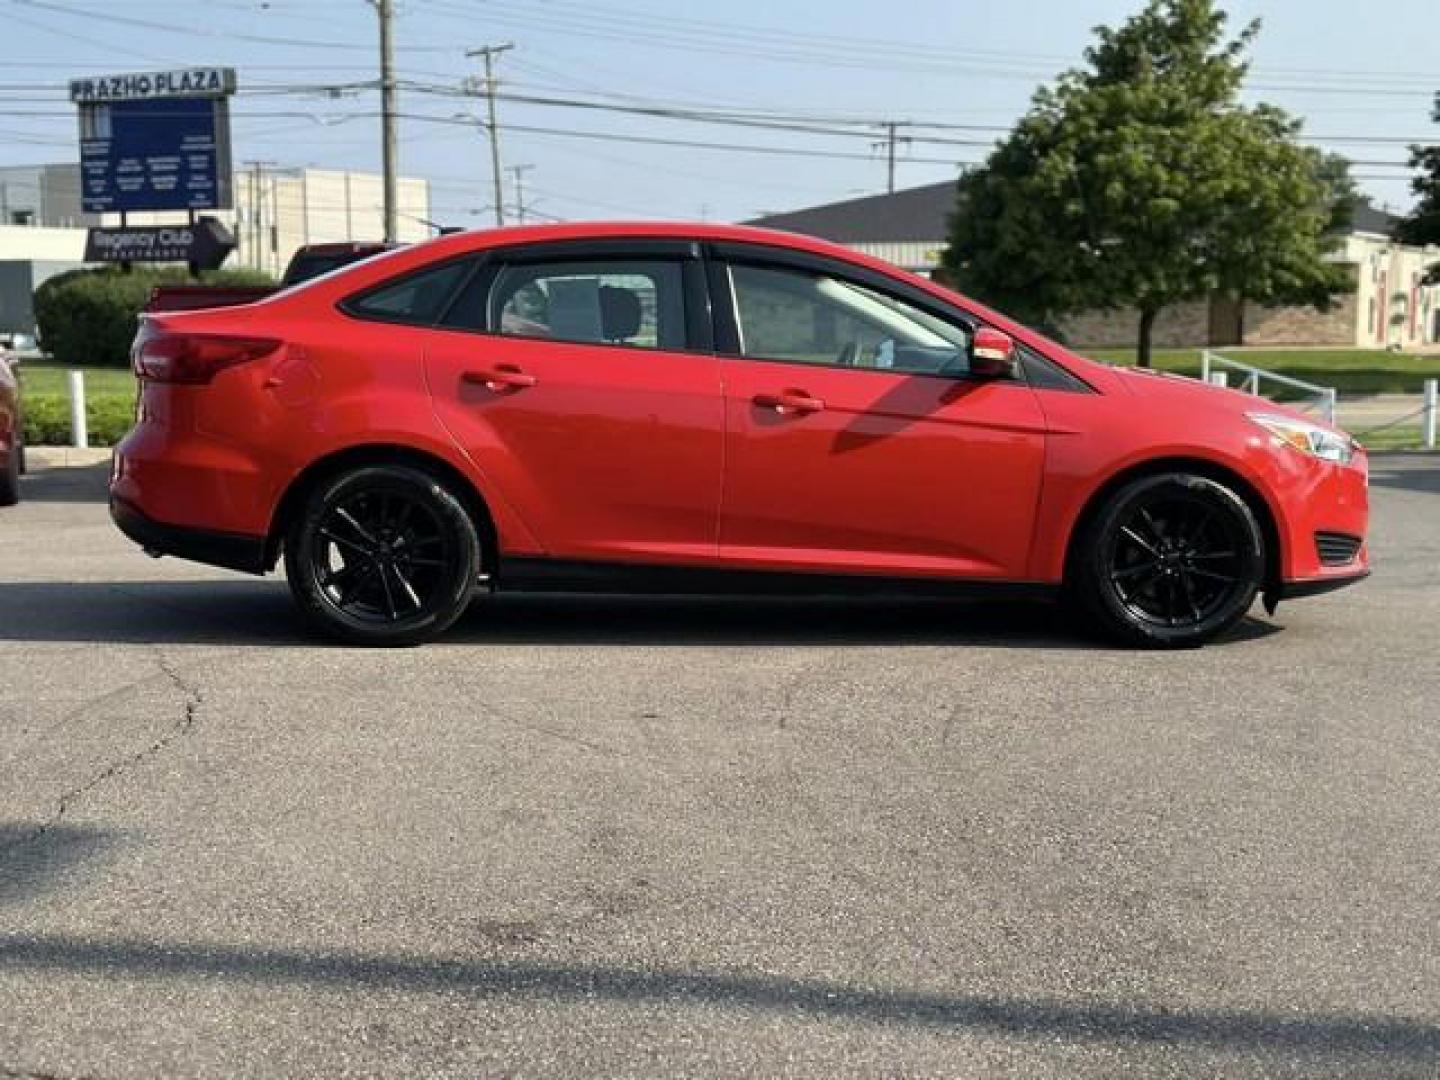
x: 383, y: 555
x: 1170, y: 561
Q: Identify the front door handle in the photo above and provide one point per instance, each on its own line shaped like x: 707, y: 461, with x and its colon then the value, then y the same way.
x: 789, y: 402
x: 499, y: 378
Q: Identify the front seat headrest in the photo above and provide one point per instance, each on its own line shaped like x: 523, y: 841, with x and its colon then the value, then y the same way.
x: 619, y: 313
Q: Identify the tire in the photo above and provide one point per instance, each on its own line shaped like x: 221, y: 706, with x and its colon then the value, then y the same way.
x: 10, y: 475
x: 382, y: 555
x: 1169, y: 561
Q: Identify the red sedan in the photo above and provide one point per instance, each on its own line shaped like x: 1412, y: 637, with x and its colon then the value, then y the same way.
x: 687, y: 408
x: 12, y: 450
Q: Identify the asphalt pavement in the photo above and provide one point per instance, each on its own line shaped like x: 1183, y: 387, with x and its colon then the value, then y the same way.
x: 618, y: 837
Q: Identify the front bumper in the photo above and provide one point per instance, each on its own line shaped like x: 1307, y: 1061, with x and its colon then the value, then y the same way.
x: 1298, y: 590
x: 1317, y: 505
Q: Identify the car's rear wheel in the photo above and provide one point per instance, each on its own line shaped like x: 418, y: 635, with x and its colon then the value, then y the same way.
x: 1169, y: 561
x: 382, y: 555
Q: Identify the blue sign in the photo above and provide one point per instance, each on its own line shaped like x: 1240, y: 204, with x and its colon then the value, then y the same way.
x: 162, y: 153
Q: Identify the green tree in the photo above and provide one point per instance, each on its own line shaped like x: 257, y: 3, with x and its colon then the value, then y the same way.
x: 1422, y: 226
x: 1141, y: 181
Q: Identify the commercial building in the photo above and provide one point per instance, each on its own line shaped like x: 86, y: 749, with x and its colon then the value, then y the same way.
x: 1389, y: 308
x: 42, y: 225
x: 276, y: 210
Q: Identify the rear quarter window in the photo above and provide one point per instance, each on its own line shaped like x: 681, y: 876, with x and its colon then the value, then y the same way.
x: 418, y: 298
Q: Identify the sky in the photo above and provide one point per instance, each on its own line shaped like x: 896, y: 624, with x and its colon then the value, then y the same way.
x: 833, y: 72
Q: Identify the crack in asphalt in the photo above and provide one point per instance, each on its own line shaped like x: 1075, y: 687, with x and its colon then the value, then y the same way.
x: 9, y: 1072
x: 194, y: 697
x: 517, y: 724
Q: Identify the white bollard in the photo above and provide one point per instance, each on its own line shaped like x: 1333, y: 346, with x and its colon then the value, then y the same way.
x: 1327, y: 406
x: 1432, y: 400
x: 1219, y: 378
x: 79, y: 434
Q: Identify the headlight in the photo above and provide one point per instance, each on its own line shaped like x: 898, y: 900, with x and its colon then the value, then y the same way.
x: 1308, y: 438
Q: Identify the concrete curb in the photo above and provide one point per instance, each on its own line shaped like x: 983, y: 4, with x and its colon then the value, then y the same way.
x: 64, y: 457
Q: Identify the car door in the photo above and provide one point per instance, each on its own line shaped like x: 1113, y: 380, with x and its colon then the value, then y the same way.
x: 856, y: 441
x: 581, y: 380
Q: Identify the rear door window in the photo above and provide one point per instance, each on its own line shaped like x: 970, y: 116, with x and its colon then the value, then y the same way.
x: 638, y: 303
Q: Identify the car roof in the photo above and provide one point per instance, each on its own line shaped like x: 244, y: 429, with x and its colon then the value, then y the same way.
x: 475, y: 239
x: 401, y: 259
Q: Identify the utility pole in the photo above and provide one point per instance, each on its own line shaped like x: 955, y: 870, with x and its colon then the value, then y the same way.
x: 386, y: 10
x: 489, y: 53
x: 891, y: 138
x: 519, y: 171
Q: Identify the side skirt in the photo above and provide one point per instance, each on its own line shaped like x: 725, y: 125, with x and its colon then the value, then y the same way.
x: 559, y: 575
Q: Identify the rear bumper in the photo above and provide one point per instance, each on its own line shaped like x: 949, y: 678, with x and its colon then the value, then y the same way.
x: 233, y: 551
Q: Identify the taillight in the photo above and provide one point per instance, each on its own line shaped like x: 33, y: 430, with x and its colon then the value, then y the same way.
x: 171, y: 357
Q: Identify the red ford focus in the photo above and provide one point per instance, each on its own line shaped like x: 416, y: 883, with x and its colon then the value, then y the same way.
x: 705, y: 408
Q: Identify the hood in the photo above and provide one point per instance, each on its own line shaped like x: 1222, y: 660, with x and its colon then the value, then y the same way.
x: 1182, y: 391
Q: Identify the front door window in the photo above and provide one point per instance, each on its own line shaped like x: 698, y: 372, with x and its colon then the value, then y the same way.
x: 806, y: 318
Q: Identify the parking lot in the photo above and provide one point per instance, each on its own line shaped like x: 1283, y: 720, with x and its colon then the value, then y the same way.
x: 590, y: 836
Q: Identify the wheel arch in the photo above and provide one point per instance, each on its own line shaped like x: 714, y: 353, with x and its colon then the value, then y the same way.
x: 1243, y: 486
x: 332, y: 464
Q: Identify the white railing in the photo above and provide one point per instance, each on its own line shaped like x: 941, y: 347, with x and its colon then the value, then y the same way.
x: 1215, y: 368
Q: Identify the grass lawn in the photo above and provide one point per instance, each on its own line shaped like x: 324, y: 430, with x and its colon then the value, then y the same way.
x: 1400, y: 437
x: 46, y: 377
x: 1351, y: 371
x: 45, y: 393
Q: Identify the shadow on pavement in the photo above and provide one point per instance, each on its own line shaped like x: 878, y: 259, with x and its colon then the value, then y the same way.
x: 1406, y: 472
x: 1395, y: 1040
x: 259, y: 612
x: 34, y: 857
x: 85, y: 483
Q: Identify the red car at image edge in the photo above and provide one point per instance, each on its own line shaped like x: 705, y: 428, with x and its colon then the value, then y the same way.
x: 12, y: 436
x: 700, y: 408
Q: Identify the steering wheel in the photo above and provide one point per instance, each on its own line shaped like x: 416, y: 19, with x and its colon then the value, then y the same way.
x: 848, y: 355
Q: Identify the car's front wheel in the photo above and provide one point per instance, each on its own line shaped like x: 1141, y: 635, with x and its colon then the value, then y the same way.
x: 1169, y: 561
x: 382, y: 555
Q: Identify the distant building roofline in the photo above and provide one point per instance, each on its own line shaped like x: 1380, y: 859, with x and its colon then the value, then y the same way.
x: 912, y: 214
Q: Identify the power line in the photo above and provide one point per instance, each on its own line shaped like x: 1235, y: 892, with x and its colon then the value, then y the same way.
x: 690, y: 143
x: 702, y: 30
x: 204, y: 31
x: 720, y: 39
x: 853, y: 128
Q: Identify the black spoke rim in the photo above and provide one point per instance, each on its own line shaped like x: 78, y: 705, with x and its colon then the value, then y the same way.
x: 1176, y: 559
x: 382, y: 556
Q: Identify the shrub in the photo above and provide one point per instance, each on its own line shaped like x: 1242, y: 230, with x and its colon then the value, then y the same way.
x: 87, y: 317
x: 108, y: 416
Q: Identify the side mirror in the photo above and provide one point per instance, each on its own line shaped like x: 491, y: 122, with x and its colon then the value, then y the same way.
x: 992, y: 354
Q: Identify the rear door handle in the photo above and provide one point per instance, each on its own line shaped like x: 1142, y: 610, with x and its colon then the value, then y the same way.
x: 500, y: 377
x: 789, y: 402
